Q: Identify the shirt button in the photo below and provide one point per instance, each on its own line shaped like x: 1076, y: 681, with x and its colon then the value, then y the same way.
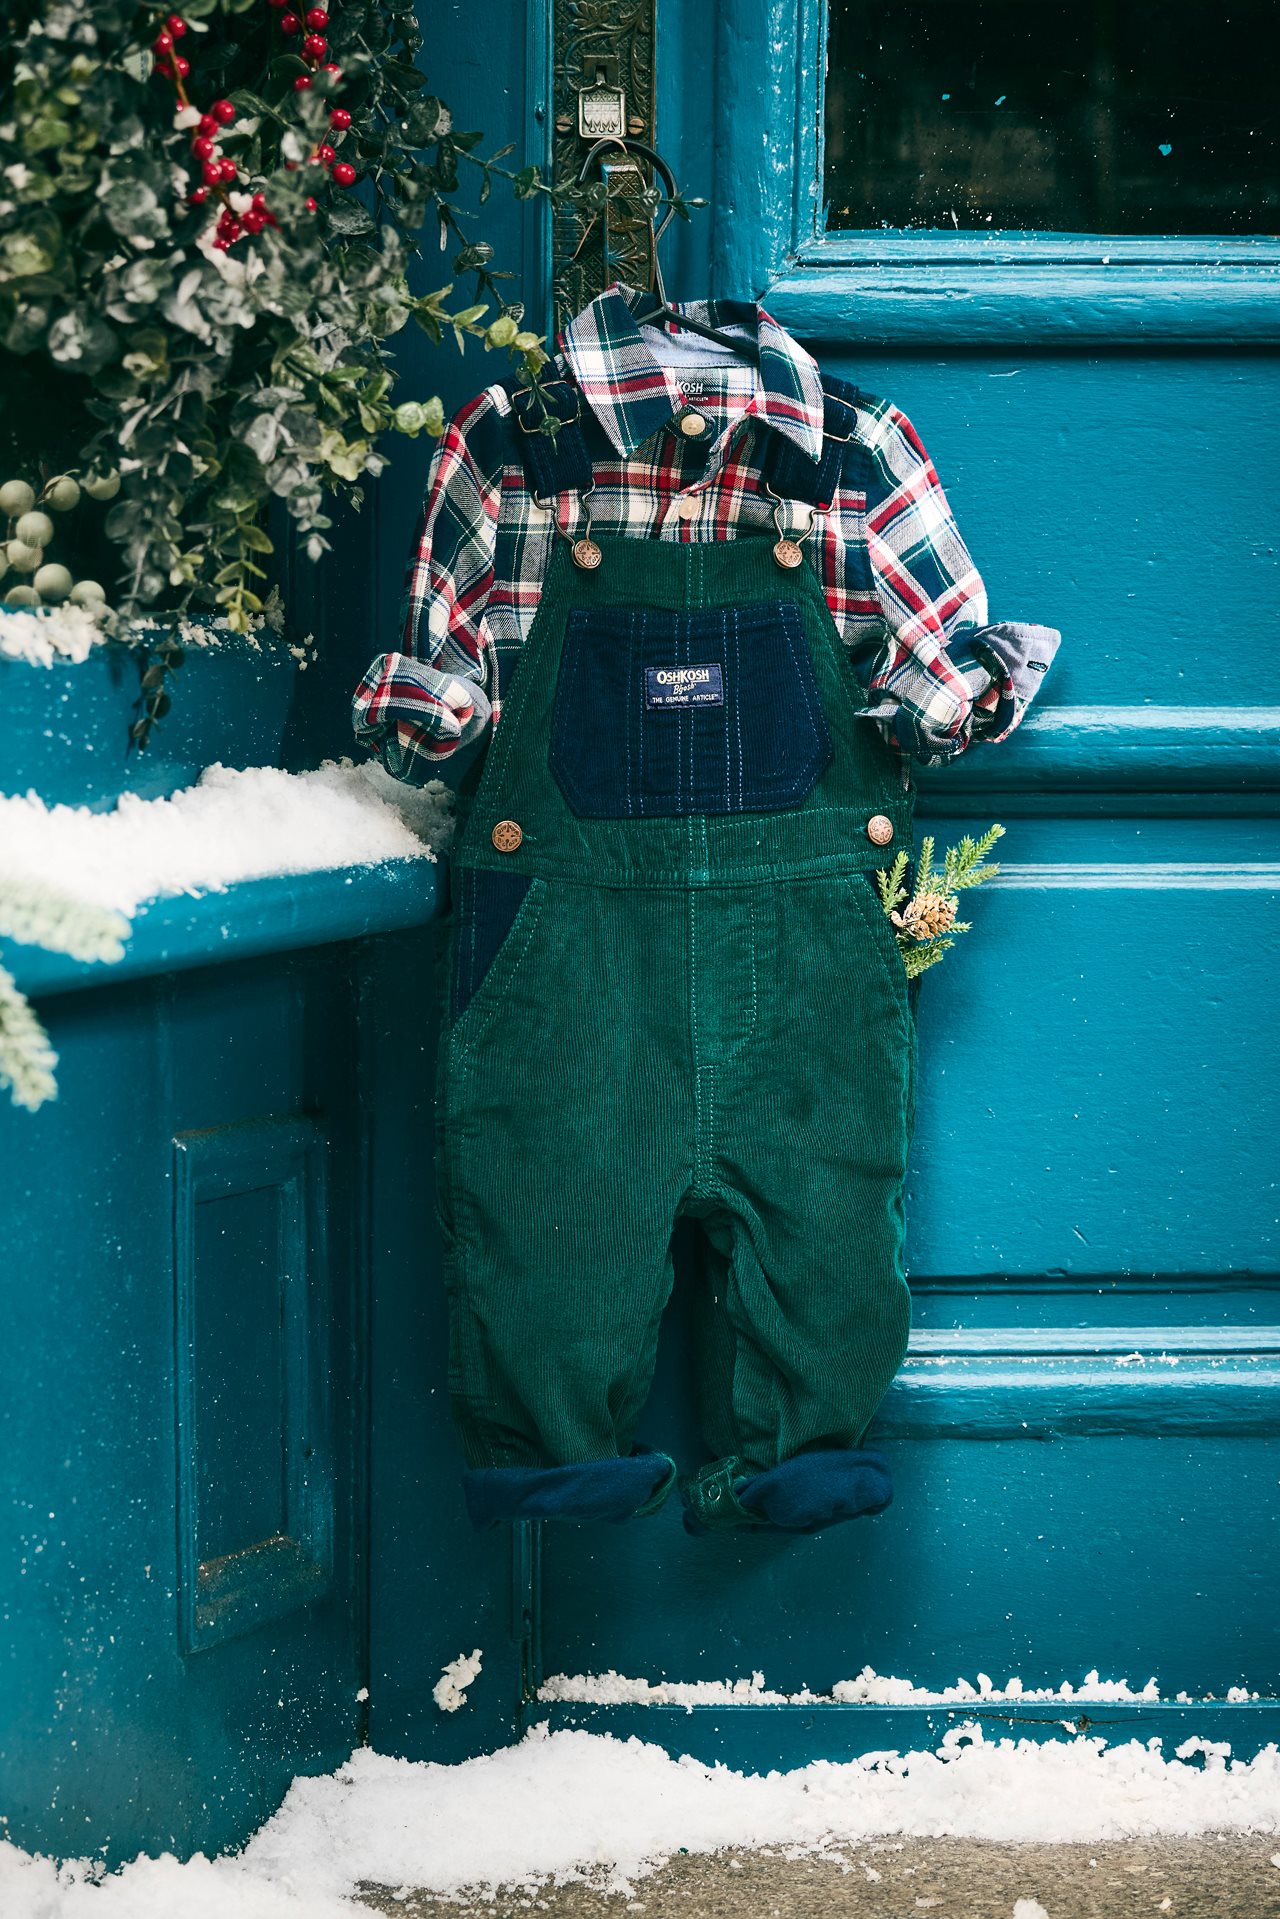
x: 507, y: 836
x: 879, y: 829
x: 689, y: 507
x: 692, y: 425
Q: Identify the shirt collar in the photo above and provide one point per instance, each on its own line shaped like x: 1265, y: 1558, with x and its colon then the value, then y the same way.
x: 633, y: 395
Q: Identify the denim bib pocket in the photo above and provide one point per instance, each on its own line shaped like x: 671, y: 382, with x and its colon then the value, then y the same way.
x: 661, y: 713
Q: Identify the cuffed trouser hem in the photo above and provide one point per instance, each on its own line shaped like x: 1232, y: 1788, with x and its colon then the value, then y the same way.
x: 802, y: 1495
x: 601, y: 1489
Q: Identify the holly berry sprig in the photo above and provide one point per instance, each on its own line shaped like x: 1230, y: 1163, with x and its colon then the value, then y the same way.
x: 219, y: 173
x: 314, y: 47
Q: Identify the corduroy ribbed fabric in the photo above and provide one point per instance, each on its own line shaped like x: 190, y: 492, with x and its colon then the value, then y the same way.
x: 690, y: 1013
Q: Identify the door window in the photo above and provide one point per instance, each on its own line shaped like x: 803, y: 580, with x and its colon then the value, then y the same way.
x: 1111, y: 116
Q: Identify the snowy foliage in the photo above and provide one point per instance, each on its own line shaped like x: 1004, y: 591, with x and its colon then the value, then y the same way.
x: 192, y: 380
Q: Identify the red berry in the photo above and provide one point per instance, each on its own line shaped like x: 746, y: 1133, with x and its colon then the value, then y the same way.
x: 302, y: 82
x: 199, y: 197
x: 254, y: 222
x: 228, y: 169
x: 314, y: 46
x: 162, y: 44
x: 202, y: 147
x: 325, y: 155
x: 311, y: 206
x: 176, y: 25
x: 344, y: 173
x: 331, y: 66
x: 281, y: 4
x: 290, y: 23
x: 212, y: 171
x: 317, y: 19
x: 259, y: 203
x: 181, y: 67
x: 223, y: 111
x: 220, y: 246
x: 207, y: 123
x: 339, y: 119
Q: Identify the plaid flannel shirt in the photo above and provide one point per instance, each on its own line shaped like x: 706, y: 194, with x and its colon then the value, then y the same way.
x: 897, y: 576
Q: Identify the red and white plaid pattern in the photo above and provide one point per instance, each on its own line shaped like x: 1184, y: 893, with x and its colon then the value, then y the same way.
x: 897, y: 576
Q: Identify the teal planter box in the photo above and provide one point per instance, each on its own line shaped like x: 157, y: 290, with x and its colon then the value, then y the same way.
x: 65, y: 728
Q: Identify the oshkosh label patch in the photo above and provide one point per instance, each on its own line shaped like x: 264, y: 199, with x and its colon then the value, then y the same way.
x: 684, y: 685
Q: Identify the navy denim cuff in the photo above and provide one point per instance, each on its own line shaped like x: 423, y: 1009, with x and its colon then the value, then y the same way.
x: 601, y: 1489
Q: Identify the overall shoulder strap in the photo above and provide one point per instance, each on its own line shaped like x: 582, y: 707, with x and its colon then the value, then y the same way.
x: 552, y: 464
x: 791, y: 474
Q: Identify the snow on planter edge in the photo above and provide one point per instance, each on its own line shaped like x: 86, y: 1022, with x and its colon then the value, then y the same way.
x: 231, y: 826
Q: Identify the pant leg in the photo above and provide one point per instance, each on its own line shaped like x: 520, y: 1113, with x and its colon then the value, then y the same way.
x: 814, y: 1118
x: 563, y: 1152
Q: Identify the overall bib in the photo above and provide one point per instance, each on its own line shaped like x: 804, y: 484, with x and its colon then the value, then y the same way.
x: 674, y: 992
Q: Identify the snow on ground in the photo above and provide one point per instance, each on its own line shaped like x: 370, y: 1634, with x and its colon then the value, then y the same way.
x: 869, y: 1688
x: 583, y: 1806
x: 230, y: 826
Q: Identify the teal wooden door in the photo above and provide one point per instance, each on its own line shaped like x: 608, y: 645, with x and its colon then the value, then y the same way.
x: 1084, y: 1436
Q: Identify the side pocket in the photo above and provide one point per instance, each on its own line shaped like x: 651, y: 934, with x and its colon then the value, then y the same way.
x: 485, y: 907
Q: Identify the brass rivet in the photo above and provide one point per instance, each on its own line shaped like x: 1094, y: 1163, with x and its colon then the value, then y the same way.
x: 587, y: 555
x: 879, y: 829
x: 788, y: 554
x: 692, y: 424
x: 507, y: 836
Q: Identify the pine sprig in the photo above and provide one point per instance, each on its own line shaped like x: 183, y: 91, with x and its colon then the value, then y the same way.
x: 39, y: 915
x: 27, y: 1060
x: 924, y: 921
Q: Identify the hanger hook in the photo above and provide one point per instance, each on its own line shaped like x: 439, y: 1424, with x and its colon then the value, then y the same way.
x: 668, y: 179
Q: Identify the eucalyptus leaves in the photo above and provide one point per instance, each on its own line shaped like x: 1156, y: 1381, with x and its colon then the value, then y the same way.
x: 218, y: 380
x: 924, y: 921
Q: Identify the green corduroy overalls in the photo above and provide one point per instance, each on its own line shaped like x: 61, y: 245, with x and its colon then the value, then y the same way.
x: 675, y: 992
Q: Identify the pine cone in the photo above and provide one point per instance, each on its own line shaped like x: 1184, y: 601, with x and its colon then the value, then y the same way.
x: 927, y: 916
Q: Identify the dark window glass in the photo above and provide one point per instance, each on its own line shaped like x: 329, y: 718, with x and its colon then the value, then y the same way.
x: 1118, y: 116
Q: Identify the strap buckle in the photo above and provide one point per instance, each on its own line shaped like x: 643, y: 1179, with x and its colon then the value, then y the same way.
x: 563, y: 419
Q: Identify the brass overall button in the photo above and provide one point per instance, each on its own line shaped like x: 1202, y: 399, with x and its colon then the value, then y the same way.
x: 788, y: 554
x: 586, y: 554
x: 879, y: 829
x: 507, y: 836
x: 692, y: 425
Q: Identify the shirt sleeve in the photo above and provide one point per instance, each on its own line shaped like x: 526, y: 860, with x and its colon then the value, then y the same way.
x: 417, y: 705
x: 947, y: 676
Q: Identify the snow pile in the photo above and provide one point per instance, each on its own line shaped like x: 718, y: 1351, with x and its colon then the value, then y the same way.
x: 230, y: 826
x: 450, y: 1689
x: 66, y: 635
x: 869, y: 1688
x: 41, y: 638
x: 578, y: 1806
